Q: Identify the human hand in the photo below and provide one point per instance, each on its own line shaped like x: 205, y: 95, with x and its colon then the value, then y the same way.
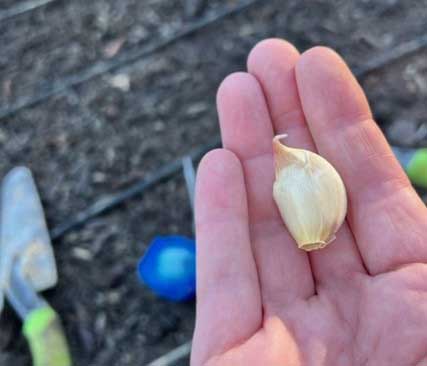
x: 260, y: 300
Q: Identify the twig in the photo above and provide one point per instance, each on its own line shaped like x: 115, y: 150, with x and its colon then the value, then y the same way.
x: 107, y: 203
x: 171, y: 357
x: 23, y: 8
x: 131, y: 56
x: 393, y: 55
x: 190, y: 177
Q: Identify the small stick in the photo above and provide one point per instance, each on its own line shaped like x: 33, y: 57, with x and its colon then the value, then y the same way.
x: 190, y: 177
x: 171, y: 357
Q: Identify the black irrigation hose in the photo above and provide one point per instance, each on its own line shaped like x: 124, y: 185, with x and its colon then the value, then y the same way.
x: 22, y: 8
x: 102, y: 67
x: 106, y: 203
x: 393, y: 55
x: 170, y: 169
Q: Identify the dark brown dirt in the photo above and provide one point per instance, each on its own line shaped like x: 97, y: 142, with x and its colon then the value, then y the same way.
x: 97, y: 139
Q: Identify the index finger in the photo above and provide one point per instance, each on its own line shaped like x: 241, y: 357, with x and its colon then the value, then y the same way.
x: 226, y: 271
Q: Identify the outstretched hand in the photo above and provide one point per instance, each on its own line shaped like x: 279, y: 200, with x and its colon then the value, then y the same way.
x: 260, y: 300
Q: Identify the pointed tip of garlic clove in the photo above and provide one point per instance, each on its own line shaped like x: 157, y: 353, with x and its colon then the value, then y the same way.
x: 285, y: 155
x: 310, y: 195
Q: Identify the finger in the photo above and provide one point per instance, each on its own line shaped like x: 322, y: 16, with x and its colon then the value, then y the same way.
x: 226, y: 271
x: 273, y: 63
x: 246, y: 130
x: 385, y: 214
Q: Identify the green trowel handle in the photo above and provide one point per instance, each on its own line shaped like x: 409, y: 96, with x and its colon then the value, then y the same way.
x: 417, y: 168
x: 44, y: 333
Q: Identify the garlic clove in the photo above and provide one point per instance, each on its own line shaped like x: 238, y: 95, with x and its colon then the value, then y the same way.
x: 310, y: 195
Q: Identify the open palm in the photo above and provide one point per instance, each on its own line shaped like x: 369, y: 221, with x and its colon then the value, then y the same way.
x: 260, y: 300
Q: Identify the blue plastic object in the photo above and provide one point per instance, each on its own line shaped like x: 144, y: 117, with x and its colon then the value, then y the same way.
x: 169, y: 267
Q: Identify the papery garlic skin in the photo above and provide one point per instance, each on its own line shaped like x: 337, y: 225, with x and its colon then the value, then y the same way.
x: 310, y: 195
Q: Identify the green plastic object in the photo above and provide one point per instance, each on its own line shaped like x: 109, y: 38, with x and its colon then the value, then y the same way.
x: 45, y: 336
x: 417, y: 168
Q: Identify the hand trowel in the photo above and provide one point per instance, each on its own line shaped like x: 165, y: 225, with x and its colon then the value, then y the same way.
x: 27, y: 267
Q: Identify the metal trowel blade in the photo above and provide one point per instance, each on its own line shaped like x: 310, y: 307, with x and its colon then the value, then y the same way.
x: 24, y: 238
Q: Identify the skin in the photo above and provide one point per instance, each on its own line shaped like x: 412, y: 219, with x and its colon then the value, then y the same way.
x: 260, y: 300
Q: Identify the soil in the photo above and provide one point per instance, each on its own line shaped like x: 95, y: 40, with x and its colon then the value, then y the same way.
x: 114, y: 130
